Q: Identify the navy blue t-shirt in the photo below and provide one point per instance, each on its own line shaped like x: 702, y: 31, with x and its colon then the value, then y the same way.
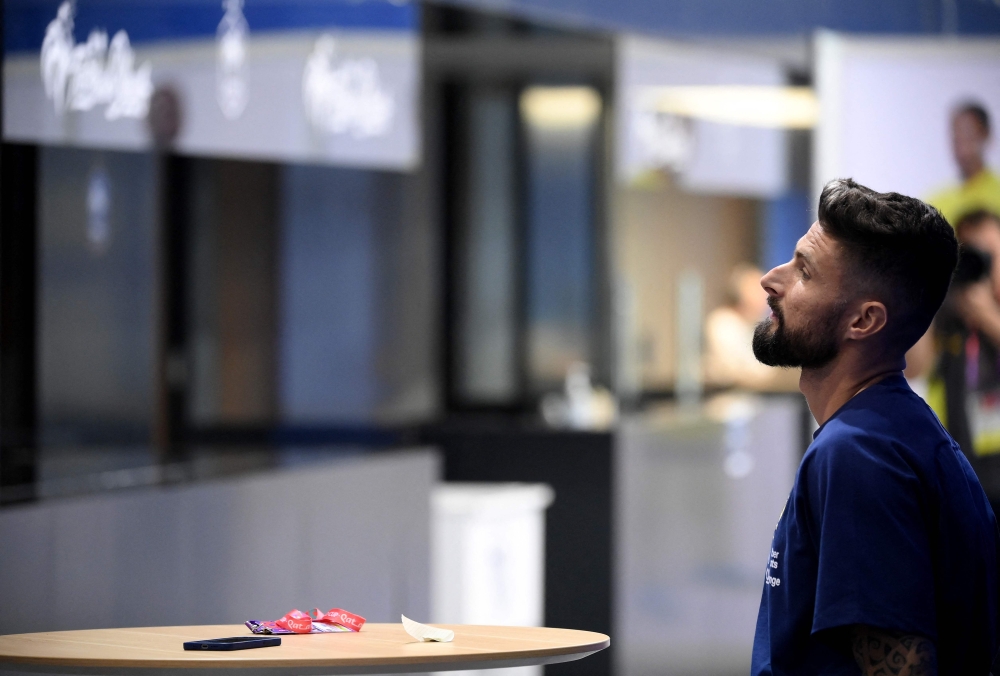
x: 886, y: 526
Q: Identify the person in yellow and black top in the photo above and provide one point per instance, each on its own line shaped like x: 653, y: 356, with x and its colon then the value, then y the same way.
x: 967, y: 328
x: 980, y: 187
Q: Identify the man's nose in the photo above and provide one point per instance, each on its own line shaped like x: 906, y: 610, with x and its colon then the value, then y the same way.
x: 771, y: 282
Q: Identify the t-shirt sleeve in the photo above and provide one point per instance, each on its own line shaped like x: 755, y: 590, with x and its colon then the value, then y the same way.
x: 867, y: 518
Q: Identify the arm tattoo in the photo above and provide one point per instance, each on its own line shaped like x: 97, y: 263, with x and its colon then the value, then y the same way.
x: 883, y: 653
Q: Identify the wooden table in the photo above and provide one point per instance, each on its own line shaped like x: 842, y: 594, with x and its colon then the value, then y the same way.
x: 377, y: 649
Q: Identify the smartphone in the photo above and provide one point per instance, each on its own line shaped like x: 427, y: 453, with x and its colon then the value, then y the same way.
x: 233, y: 643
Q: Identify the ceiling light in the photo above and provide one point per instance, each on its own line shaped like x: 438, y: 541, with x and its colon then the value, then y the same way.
x: 560, y: 107
x: 741, y: 105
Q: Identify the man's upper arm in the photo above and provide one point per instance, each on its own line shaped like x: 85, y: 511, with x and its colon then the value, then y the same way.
x: 883, y: 653
x: 874, y: 561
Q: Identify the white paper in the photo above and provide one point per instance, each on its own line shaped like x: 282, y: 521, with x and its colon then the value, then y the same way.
x: 423, y: 632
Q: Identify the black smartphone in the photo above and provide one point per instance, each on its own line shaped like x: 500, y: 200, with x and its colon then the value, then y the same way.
x: 233, y: 643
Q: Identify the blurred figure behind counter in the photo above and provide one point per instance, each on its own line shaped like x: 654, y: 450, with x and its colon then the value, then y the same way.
x: 978, y: 191
x: 968, y: 334
x: 729, y: 358
x: 979, y: 188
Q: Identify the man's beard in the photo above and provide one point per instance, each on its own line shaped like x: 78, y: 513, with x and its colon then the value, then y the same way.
x: 812, y: 347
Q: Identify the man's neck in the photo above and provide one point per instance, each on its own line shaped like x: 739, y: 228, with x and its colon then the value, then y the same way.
x: 972, y: 170
x: 828, y: 388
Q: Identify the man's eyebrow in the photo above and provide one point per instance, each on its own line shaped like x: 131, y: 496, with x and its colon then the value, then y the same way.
x: 799, y: 253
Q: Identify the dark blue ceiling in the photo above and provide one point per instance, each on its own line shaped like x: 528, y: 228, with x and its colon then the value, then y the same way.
x: 759, y: 17
x: 25, y: 21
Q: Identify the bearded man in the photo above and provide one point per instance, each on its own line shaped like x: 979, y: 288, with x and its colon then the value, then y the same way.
x: 884, y: 560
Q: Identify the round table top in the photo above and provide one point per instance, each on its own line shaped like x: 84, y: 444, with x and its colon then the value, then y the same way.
x: 377, y: 648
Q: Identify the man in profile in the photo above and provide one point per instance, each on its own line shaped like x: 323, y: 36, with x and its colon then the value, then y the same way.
x: 979, y: 188
x: 885, y: 557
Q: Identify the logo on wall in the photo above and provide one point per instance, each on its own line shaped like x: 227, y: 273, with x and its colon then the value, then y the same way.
x: 345, y: 97
x: 231, y: 89
x: 667, y: 141
x: 93, y: 73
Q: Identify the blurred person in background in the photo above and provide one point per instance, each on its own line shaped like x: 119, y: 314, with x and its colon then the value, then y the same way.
x: 968, y: 330
x: 885, y: 556
x: 978, y: 191
x: 980, y: 187
x: 729, y: 359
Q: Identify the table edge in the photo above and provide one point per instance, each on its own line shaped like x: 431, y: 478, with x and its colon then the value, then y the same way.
x: 407, y: 668
x: 533, y: 656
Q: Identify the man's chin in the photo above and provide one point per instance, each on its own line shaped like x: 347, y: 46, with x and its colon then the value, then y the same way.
x: 771, y: 349
x: 775, y: 349
x: 768, y: 358
x: 766, y: 327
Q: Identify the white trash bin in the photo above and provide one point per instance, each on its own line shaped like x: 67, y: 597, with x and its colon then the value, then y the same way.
x: 488, y: 557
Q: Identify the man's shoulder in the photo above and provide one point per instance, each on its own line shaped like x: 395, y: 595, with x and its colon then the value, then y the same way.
x: 991, y: 178
x: 847, y: 444
x: 945, y: 194
x: 956, y: 199
x: 890, y: 420
x: 986, y: 179
x: 985, y: 189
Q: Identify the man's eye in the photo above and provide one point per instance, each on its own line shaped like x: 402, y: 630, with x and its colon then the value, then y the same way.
x: 805, y: 275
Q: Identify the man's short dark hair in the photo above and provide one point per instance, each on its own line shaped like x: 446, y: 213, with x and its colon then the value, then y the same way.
x: 978, y: 111
x: 900, y: 248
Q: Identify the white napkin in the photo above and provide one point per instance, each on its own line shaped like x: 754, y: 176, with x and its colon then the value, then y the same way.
x: 423, y: 632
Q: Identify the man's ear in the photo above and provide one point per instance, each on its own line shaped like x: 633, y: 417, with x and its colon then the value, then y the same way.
x: 869, y: 319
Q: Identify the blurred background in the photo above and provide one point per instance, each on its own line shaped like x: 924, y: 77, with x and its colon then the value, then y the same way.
x: 444, y: 308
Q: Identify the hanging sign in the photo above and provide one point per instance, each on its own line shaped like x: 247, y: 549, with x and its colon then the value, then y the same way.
x: 330, y: 81
x: 687, y: 111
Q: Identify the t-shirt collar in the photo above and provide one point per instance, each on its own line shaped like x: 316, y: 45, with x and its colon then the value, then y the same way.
x: 895, y: 380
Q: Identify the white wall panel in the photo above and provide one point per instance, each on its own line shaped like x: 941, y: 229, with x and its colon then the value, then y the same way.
x: 885, y: 107
x: 353, y: 533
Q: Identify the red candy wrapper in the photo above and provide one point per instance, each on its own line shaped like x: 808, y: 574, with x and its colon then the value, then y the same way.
x: 296, y: 622
x: 335, y: 620
x: 340, y: 618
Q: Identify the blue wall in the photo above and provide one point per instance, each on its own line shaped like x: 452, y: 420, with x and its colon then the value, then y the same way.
x: 560, y: 254
x: 328, y: 327
x: 784, y: 220
x: 97, y: 325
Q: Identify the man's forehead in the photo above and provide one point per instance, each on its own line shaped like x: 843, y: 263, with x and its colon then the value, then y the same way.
x: 815, y: 238
x: 817, y: 246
